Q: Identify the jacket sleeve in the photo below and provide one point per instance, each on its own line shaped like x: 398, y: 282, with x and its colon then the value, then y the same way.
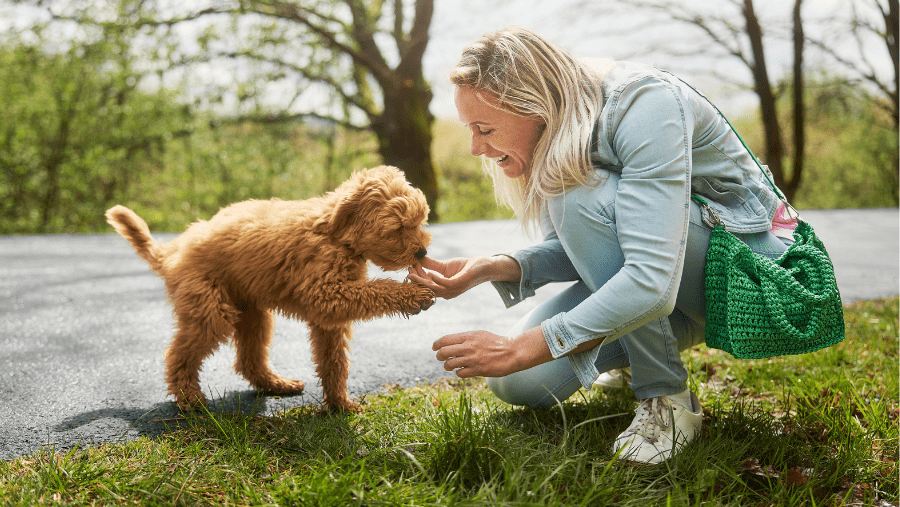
x: 540, y: 264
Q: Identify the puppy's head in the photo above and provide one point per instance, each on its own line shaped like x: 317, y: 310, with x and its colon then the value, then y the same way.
x: 382, y: 216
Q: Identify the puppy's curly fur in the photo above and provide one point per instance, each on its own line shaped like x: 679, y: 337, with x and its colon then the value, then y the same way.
x: 305, y: 259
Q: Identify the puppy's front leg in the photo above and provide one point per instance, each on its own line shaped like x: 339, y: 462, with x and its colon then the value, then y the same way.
x: 329, y: 350
x: 362, y: 300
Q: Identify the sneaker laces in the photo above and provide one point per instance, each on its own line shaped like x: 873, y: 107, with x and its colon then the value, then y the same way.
x: 653, y: 414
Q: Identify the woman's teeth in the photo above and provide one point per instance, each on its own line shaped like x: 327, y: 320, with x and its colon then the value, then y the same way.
x: 502, y: 159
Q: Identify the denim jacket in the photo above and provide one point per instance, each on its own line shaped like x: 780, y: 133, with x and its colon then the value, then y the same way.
x: 665, y: 141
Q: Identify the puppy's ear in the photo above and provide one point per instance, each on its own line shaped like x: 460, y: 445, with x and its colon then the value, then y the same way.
x: 407, y: 211
x: 343, y: 215
x: 348, y: 209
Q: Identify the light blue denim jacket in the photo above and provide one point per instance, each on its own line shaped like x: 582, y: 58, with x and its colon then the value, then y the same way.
x: 666, y: 142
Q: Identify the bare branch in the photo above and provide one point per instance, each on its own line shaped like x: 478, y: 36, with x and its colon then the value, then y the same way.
x: 369, y: 52
x: 368, y: 58
x: 272, y: 119
x: 399, y: 36
x: 411, y: 60
x: 331, y: 81
x: 146, y: 22
x: 867, y: 74
x: 704, y: 23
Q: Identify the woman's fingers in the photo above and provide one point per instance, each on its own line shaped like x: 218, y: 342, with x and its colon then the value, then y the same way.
x: 474, y: 353
x: 448, y: 340
x: 447, y: 279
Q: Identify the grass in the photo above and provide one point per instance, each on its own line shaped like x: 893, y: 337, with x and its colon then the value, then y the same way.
x: 818, y: 429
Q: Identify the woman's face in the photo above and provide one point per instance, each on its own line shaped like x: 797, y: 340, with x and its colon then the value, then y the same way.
x: 507, y: 138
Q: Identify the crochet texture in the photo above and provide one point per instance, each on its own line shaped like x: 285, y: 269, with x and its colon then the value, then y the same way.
x: 758, y: 307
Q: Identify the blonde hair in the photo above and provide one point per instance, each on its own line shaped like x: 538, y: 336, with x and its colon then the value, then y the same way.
x: 529, y: 76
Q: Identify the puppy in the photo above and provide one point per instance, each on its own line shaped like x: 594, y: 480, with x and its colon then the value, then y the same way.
x: 305, y: 259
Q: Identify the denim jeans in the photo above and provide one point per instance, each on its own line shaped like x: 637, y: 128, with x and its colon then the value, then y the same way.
x: 652, y: 350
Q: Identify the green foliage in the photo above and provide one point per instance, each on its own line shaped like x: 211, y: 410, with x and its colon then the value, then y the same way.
x: 815, y: 429
x: 214, y: 167
x: 76, y: 133
x: 852, y: 150
x: 851, y: 147
x: 466, y: 191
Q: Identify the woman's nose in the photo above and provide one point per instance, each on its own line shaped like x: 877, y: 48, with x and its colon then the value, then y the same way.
x: 477, y: 148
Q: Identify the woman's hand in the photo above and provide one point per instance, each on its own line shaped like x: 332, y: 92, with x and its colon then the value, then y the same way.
x: 451, y: 278
x: 484, y: 354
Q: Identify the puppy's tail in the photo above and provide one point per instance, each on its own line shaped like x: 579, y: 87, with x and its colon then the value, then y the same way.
x: 135, y: 230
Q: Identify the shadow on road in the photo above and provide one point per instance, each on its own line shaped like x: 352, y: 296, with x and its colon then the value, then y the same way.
x: 165, y: 417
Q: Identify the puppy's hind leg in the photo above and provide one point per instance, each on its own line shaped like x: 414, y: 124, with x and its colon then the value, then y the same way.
x: 205, y: 321
x: 329, y: 350
x: 252, y: 336
x: 191, y: 344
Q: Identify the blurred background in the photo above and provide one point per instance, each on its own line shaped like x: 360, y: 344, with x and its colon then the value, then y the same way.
x: 176, y: 109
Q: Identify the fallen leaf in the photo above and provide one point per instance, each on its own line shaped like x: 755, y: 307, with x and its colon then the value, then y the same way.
x: 795, y: 477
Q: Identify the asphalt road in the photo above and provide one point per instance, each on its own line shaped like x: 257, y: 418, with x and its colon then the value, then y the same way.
x: 84, y: 324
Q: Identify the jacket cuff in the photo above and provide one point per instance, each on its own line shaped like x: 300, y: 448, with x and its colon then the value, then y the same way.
x: 561, y: 342
x: 513, y: 293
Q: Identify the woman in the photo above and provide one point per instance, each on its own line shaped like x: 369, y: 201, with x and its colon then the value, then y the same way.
x: 604, y: 157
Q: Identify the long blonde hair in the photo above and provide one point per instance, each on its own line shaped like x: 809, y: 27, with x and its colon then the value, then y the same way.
x: 529, y: 76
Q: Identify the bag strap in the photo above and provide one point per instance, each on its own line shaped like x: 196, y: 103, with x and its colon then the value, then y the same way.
x: 741, y: 139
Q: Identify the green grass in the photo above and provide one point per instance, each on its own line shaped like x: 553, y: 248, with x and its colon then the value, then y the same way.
x: 818, y: 429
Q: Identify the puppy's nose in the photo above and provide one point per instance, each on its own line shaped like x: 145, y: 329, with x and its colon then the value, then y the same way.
x: 421, y: 253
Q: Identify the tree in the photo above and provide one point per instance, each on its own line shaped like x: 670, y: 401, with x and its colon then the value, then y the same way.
x: 882, y: 22
x: 736, y: 33
x: 353, y: 63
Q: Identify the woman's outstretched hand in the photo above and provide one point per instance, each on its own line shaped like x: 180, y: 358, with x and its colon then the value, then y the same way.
x: 484, y: 354
x: 476, y: 354
x: 451, y: 278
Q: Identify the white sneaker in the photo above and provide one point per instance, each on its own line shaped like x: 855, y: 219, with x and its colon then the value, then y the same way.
x: 613, y: 379
x: 659, y: 430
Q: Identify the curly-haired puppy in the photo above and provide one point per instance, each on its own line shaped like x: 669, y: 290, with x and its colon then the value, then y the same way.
x: 305, y: 259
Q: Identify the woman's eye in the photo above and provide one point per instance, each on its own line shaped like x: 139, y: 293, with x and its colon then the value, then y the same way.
x: 485, y: 132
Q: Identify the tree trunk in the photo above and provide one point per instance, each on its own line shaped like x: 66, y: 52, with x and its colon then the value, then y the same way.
x: 767, y: 106
x: 799, y: 107
x: 404, y: 131
x: 891, y: 21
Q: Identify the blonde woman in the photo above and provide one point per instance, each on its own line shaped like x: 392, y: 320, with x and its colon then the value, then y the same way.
x: 603, y: 157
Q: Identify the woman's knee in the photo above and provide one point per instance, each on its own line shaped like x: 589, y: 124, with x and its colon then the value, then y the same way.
x: 510, y: 391
x: 544, y: 385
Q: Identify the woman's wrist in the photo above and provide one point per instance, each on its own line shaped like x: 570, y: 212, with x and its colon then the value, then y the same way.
x: 531, y: 349
x: 504, y: 268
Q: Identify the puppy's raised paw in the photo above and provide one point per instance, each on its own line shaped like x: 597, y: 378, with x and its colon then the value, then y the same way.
x: 416, y: 298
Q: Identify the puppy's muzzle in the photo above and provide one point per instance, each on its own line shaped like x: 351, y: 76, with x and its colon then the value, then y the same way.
x: 421, y: 253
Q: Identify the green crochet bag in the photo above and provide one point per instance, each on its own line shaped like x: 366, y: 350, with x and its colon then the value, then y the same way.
x: 758, y: 307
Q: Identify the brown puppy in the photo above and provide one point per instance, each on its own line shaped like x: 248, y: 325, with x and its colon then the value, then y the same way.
x: 305, y: 259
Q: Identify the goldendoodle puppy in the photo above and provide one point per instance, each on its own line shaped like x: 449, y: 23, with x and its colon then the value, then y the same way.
x: 305, y: 259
